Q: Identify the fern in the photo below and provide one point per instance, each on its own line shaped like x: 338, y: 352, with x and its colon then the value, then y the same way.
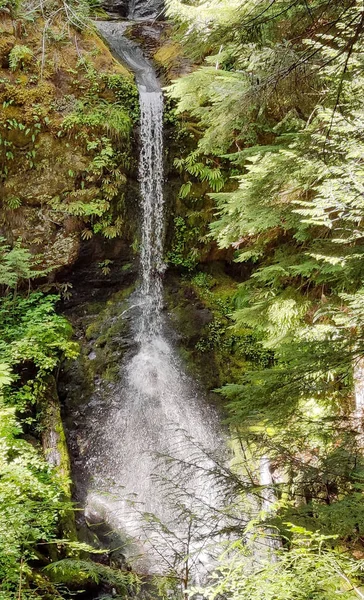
x: 70, y: 571
x: 204, y: 171
x: 20, y: 56
x: 112, y: 119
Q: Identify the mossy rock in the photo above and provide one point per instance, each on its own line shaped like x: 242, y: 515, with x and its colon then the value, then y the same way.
x: 167, y: 54
x: 59, y: 246
x: 49, y: 185
x: 108, y: 337
x: 53, y: 175
x: 55, y: 448
x: 199, y: 306
x: 104, y: 338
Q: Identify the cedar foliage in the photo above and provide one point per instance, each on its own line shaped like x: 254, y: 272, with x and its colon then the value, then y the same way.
x: 277, y: 98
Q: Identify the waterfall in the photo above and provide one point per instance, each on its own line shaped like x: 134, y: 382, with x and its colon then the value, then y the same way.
x: 273, y: 542
x: 141, y: 442
x: 266, y: 480
x: 151, y: 188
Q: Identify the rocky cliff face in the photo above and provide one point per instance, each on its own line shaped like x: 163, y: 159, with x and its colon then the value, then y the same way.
x: 64, y: 170
x: 117, y: 8
x: 135, y: 9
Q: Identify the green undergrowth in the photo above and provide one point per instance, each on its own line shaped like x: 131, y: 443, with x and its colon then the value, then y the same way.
x: 35, y: 496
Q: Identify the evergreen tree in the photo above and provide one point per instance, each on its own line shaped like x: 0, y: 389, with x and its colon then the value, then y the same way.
x: 277, y: 98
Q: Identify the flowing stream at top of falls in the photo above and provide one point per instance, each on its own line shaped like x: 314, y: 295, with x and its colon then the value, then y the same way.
x: 148, y: 449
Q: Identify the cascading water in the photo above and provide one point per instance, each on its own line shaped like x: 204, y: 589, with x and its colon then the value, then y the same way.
x: 156, y: 411
x: 151, y: 188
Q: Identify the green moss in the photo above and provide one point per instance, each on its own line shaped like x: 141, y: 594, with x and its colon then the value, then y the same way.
x: 55, y: 449
x: 53, y: 136
x: 104, y: 334
x: 167, y: 54
x: 201, y: 306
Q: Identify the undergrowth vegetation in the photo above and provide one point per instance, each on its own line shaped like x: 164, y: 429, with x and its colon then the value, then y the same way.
x: 40, y: 556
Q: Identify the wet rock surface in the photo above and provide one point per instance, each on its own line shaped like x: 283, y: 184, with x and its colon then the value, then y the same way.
x: 135, y: 9
x: 117, y: 8
x: 146, y: 9
x: 94, y: 307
